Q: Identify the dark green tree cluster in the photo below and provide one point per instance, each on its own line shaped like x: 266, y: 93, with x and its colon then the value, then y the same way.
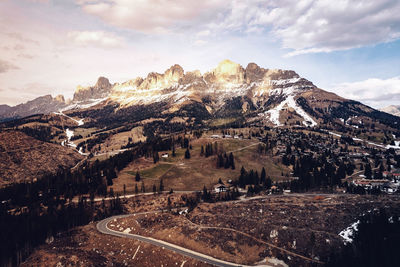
x: 31, y: 226
x: 318, y: 172
x: 42, y: 133
x: 207, y: 196
x: 252, y: 178
x: 224, y: 161
x: 209, y: 149
x: 375, y: 243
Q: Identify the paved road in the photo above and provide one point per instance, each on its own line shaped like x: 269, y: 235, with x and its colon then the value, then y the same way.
x: 102, y: 227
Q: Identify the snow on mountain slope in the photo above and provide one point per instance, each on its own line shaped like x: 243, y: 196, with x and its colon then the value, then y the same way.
x: 289, y: 93
x: 226, y: 81
x: 84, y: 104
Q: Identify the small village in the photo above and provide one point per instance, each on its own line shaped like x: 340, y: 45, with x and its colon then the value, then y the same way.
x: 367, y: 167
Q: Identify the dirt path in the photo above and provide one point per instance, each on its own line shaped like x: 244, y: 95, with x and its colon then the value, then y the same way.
x: 254, y: 238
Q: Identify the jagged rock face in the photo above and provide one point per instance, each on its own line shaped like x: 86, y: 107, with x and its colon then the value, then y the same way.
x: 60, y: 98
x: 269, y: 96
x: 262, y: 88
x: 227, y: 80
x: 41, y: 105
x: 100, y: 90
x: 225, y: 73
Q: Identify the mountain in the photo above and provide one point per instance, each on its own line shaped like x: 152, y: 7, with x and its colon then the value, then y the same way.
x: 84, y: 97
x: 101, y: 89
x: 4, y: 109
x: 394, y: 110
x: 231, y: 92
x: 41, y: 105
x: 252, y: 95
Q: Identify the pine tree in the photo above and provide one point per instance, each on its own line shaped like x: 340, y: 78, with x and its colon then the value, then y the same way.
x: 169, y: 203
x: 154, y: 189
x: 136, y: 189
x: 220, y: 161
x: 251, y: 178
x: 187, y: 154
x: 231, y: 161
x: 242, y: 177
x: 156, y: 157
x: 256, y: 178
x: 143, y: 189
x: 268, y: 183
x: 161, y: 185
x: 263, y: 176
x: 137, y: 177
x: 226, y: 162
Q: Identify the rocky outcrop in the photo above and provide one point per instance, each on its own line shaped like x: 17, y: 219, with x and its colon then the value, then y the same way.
x: 226, y: 72
x: 101, y: 89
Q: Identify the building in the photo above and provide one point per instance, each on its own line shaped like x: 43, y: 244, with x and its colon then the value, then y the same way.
x: 218, y: 188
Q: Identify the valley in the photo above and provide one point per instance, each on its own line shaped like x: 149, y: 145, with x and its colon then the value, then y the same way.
x: 250, y: 166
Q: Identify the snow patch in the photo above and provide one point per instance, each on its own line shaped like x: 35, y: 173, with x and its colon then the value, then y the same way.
x: 84, y: 104
x: 347, y: 234
x: 79, y: 122
x: 291, y: 103
x: 290, y: 93
x: 284, y: 81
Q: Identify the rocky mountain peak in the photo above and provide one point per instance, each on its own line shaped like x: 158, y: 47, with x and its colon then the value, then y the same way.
x: 60, y: 98
x: 101, y: 89
x: 159, y: 81
x: 174, y: 73
x: 254, y: 72
x: 103, y: 82
x: 227, y: 71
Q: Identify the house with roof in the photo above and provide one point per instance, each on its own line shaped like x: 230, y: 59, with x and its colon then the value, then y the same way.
x: 218, y: 188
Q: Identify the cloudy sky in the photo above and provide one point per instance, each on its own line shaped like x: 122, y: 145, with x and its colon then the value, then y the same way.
x: 350, y: 47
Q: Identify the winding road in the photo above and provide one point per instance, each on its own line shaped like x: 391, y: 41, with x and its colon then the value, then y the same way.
x: 103, y: 228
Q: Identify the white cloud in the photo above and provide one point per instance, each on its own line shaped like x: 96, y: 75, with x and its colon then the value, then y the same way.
x: 95, y: 38
x: 152, y: 16
x: 375, y: 92
x: 303, y: 26
x: 314, y: 26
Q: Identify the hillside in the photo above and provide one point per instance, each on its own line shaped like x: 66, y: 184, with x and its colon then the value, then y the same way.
x: 23, y: 158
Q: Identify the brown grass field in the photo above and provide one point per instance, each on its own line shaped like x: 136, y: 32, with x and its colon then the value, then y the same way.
x: 179, y: 173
